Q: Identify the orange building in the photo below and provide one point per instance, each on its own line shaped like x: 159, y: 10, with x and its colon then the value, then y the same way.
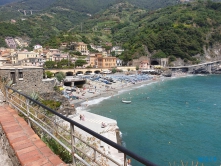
x: 97, y: 60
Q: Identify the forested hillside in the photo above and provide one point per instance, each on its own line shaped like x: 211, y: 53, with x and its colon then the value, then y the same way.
x: 176, y: 31
x: 179, y: 31
x: 14, y: 11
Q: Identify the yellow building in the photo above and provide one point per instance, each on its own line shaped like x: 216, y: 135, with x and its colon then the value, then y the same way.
x: 81, y: 47
x: 15, y: 57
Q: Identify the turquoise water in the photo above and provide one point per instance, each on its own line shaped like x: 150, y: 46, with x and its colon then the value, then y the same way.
x: 170, y: 121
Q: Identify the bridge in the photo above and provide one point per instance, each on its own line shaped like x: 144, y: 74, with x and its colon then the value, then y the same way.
x: 25, y: 12
x: 190, y: 69
x: 73, y: 71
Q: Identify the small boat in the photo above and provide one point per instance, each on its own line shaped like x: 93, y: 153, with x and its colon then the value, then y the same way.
x: 126, y: 101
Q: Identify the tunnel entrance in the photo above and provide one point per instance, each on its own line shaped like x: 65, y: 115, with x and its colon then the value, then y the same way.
x: 154, y: 63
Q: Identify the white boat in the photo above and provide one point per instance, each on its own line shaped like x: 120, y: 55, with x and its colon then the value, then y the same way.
x: 126, y: 101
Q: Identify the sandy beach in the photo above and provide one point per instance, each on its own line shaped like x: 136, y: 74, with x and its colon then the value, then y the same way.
x: 93, y: 90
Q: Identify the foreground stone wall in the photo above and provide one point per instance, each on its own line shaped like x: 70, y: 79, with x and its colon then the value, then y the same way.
x: 12, y: 159
x: 31, y: 80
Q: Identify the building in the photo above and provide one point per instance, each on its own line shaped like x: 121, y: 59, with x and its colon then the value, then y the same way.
x: 144, y: 65
x: 98, y: 48
x: 3, y: 61
x: 32, y: 62
x: 81, y: 47
x: 119, y: 62
x: 59, y: 57
x: 27, y: 79
x: 38, y: 48
x: 117, y: 50
x: 18, y: 56
x: 106, y: 62
x: 99, y: 61
x: 93, y: 60
x: 49, y: 54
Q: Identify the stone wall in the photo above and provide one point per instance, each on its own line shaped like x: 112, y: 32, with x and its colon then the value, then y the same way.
x: 12, y: 159
x: 30, y: 82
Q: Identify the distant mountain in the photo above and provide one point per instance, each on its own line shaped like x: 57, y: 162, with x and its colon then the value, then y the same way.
x: 86, y: 6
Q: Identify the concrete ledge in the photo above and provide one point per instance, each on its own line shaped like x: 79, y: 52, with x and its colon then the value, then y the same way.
x: 29, y: 149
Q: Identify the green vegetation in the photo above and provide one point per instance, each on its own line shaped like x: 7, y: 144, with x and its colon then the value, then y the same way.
x: 176, y: 31
x: 58, y: 149
x: 63, y: 64
x: 54, y: 105
x: 80, y: 62
x: 60, y: 76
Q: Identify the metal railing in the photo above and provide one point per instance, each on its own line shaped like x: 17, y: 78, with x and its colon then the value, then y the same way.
x: 86, y: 146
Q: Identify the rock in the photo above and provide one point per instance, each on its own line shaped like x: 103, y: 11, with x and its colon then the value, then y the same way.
x: 65, y: 108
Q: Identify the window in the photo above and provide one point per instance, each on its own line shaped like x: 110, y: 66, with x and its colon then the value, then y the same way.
x: 12, y: 75
x: 20, y: 74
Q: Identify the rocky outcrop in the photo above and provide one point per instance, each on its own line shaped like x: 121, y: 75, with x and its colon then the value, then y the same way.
x: 201, y: 70
x: 65, y: 108
x: 167, y: 73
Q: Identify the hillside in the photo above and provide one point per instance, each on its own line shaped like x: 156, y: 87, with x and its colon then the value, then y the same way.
x: 16, y: 10
x: 177, y: 31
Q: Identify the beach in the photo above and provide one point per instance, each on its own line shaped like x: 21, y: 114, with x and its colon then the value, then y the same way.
x: 93, y: 92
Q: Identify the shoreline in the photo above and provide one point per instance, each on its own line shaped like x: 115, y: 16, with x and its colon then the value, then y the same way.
x: 113, y: 92
x: 94, y: 121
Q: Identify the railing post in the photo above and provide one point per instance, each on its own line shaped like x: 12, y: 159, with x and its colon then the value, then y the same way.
x: 125, y: 159
x: 27, y: 107
x: 6, y: 93
x: 72, y: 143
x: 94, y: 155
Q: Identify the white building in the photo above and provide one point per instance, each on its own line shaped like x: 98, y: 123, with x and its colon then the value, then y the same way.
x: 37, y: 47
x: 117, y: 50
x: 119, y: 62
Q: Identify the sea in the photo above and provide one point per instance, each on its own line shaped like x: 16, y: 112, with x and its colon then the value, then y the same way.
x: 172, y: 122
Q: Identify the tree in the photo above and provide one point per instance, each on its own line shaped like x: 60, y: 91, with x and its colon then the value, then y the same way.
x: 114, y: 70
x: 172, y: 58
x: 60, y: 76
x: 80, y: 62
x: 48, y: 74
x: 160, y: 54
x: 49, y: 64
x: 64, y: 63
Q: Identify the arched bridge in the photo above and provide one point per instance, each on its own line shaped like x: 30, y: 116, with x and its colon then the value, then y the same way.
x: 71, y: 72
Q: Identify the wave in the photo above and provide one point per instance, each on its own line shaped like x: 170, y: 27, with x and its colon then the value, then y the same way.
x: 93, y: 102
